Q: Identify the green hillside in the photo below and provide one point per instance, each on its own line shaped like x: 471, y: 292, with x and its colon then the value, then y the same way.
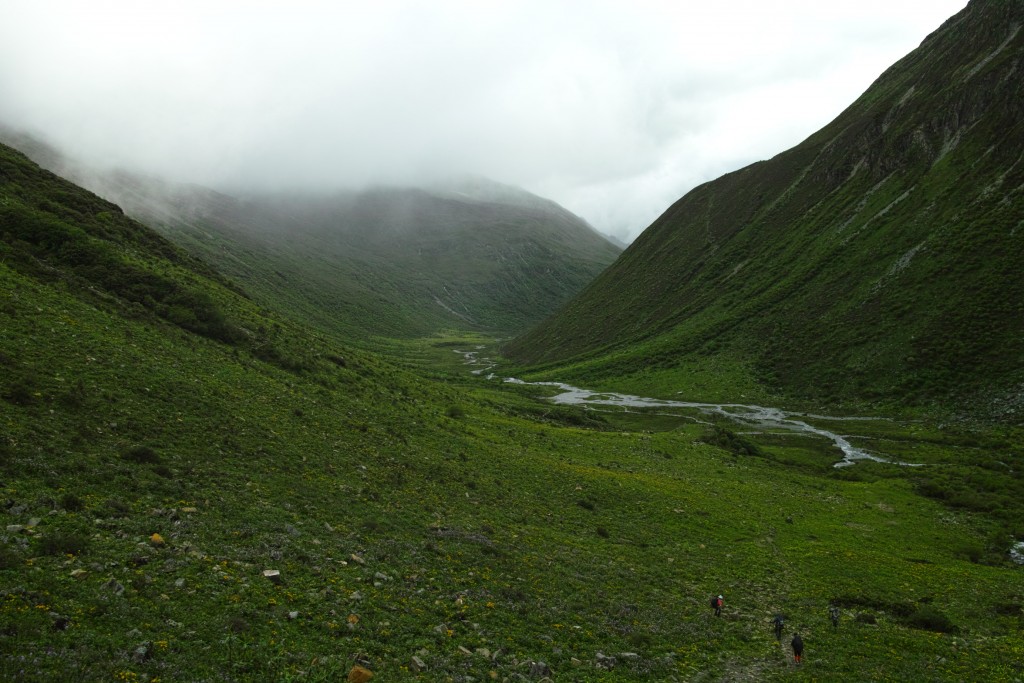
x: 392, y: 262
x: 197, y: 486
x: 166, y: 442
x: 879, y: 261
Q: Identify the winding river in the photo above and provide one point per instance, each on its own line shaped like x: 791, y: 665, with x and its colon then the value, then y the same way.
x: 748, y: 415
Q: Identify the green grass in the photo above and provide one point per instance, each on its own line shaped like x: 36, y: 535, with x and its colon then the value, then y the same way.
x: 475, y: 523
x: 151, y: 471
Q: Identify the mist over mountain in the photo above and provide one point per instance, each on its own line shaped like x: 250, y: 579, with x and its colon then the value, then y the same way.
x: 394, y: 261
x: 241, y: 440
x: 878, y: 260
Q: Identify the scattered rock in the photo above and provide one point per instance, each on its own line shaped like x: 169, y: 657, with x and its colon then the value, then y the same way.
x: 34, y: 522
x: 60, y: 623
x: 15, y: 528
x: 359, y: 674
x: 539, y: 670
x: 189, y: 510
x: 180, y: 583
x: 417, y: 665
x: 79, y: 574
x: 483, y: 652
x: 273, y: 575
x: 607, y: 663
x: 356, y: 595
x: 142, y: 652
x: 357, y: 559
x: 292, y: 616
x: 1017, y: 552
x: 465, y: 650
x: 114, y: 586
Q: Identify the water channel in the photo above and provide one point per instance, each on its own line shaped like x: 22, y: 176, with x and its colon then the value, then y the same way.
x: 754, y: 416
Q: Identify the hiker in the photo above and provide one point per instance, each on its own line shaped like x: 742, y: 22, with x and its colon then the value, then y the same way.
x: 717, y: 604
x: 777, y: 623
x: 833, y: 614
x: 798, y: 648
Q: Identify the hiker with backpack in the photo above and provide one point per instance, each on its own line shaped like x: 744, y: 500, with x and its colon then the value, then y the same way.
x: 798, y: 648
x: 777, y: 623
x: 833, y: 614
x: 716, y: 604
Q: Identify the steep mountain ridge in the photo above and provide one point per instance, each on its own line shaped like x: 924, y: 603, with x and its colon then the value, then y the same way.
x: 877, y: 260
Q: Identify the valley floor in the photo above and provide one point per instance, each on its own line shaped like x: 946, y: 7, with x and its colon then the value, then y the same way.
x: 451, y: 529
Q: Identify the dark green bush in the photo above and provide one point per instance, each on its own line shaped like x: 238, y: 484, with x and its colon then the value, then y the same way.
x: 9, y: 558
x: 730, y: 441
x: 163, y: 471
x: 63, y: 543
x: 117, y: 508
x: 20, y: 392
x: 141, y: 455
x: 929, y: 618
x: 71, y: 502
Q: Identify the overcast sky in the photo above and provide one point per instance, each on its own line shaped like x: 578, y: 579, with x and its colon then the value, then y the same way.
x: 614, y: 109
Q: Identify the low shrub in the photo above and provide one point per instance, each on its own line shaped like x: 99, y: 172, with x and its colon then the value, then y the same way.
x: 9, y: 558
x: 730, y: 441
x: 71, y: 502
x: 63, y: 543
x: 928, y: 618
x: 141, y: 455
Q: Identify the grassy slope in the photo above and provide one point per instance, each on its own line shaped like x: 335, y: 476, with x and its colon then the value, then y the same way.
x: 389, y: 262
x: 877, y: 261
x: 480, y: 518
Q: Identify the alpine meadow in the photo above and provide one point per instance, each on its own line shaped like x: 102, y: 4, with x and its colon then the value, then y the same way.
x: 451, y: 432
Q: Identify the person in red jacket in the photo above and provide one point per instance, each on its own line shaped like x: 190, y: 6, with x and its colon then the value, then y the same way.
x: 716, y: 603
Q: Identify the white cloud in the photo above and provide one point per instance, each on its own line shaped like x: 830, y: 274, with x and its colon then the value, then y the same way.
x: 614, y: 108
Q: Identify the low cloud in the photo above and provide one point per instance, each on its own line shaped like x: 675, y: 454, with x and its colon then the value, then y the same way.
x: 614, y: 109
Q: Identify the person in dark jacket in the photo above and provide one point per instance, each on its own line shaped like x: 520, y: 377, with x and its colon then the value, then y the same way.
x: 777, y: 623
x: 833, y: 614
x: 798, y: 648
